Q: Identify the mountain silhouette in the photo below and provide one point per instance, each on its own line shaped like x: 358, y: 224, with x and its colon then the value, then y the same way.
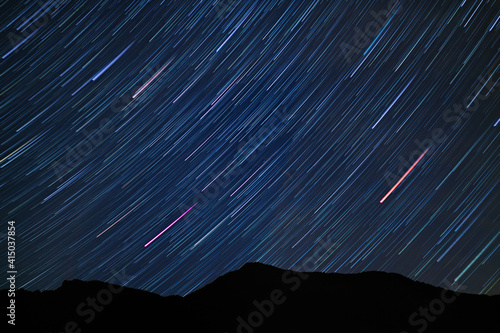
x: 261, y: 298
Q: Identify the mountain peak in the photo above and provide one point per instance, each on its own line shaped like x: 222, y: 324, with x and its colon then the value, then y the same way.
x: 255, y: 265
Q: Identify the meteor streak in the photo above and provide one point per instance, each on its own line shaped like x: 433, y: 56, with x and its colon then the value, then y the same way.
x: 404, y: 176
x: 151, y: 241
x: 152, y: 79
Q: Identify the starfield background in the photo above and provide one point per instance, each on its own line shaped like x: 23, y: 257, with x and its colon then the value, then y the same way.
x: 170, y: 142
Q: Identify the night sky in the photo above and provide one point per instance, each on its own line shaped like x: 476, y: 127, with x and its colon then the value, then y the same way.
x: 173, y: 141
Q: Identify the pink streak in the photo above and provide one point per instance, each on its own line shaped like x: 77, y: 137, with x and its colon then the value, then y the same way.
x: 168, y: 226
x: 151, y: 79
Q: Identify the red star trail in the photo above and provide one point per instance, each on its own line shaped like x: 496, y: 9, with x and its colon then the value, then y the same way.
x: 404, y: 176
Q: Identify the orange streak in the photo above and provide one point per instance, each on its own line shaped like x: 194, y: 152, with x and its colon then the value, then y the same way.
x: 404, y: 176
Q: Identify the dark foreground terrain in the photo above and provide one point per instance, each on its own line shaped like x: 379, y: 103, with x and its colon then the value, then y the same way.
x: 261, y: 298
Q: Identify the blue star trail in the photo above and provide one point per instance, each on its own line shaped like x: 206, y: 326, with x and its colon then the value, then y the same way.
x: 178, y: 140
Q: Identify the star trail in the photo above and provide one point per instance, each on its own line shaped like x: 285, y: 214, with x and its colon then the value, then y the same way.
x: 178, y: 140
